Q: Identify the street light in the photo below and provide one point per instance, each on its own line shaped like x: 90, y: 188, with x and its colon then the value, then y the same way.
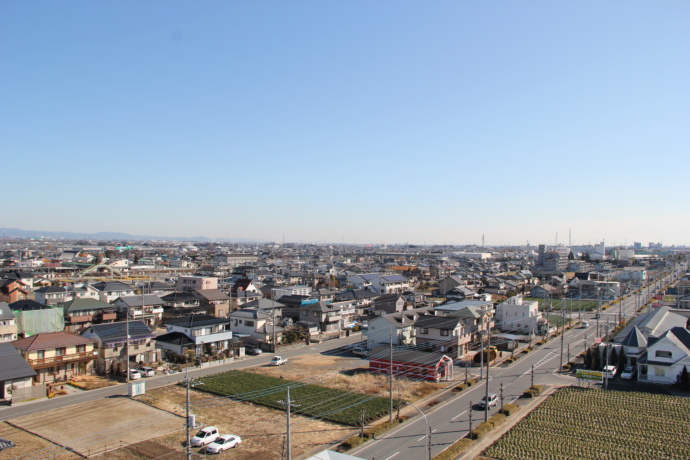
x: 427, y: 431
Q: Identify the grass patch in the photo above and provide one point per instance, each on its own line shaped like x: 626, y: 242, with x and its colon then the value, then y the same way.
x: 313, y: 400
x: 456, y: 449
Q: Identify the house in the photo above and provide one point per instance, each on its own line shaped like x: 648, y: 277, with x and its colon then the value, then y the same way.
x: 388, y: 303
x: 240, y: 298
x: 327, y: 318
x: 82, y: 313
x: 147, y: 308
x: 256, y: 325
x: 446, y: 334
x: 519, y: 316
x: 278, y: 292
x: 57, y: 356
x: 108, y: 291
x: 83, y: 291
x: 396, y: 327
x: 111, y: 346
x: 195, y: 283
x: 665, y: 357
x: 196, y: 333
x: 8, y: 325
x: 546, y: 291
x: 12, y: 290
x: 15, y: 372
x: 380, y: 284
x: 635, y: 345
x: 34, y: 318
x: 411, y: 364
x: 183, y: 303
x: 215, y: 300
x: 462, y: 293
x: 244, y: 285
x: 654, y: 323
x: 25, y: 277
x: 52, y: 295
x: 477, y: 315
x: 449, y: 283
x: 160, y: 289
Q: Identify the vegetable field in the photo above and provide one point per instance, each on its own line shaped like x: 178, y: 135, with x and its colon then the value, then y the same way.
x: 580, y: 423
x: 574, y: 304
x: 311, y: 400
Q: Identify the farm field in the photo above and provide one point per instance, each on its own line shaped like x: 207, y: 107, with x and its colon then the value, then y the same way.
x: 574, y: 304
x: 317, y: 401
x: 579, y: 423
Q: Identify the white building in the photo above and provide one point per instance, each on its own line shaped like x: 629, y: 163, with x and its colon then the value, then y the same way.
x: 277, y: 293
x: 194, y: 283
x: 666, y: 357
x: 519, y: 316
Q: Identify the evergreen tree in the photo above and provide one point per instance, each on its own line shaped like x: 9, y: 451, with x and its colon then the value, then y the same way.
x: 596, y: 358
x: 684, y: 379
x: 622, y: 359
x: 613, y: 358
x: 588, y: 359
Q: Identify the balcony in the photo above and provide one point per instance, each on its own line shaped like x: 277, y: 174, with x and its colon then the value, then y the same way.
x: 40, y: 363
x: 212, y: 338
x: 333, y: 318
x: 108, y: 316
x: 77, y: 319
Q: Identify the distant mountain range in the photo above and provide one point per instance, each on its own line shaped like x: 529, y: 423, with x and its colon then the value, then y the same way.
x: 100, y: 236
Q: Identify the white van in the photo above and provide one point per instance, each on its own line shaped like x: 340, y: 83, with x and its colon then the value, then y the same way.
x: 610, y: 371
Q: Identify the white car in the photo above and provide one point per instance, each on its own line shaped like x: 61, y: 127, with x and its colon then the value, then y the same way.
x: 278, y: 361
x: 147, y: 371
x: 205, y: 436
x: 134, y: 374
x: 628, y: 373
x: 493, y: 401
x: 225, y: 442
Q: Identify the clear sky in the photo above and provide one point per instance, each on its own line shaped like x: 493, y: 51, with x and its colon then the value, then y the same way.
x: 348, y: 121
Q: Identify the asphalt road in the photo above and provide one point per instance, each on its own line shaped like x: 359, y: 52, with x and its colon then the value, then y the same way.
x: 450, y: 421
x: 31, y: 407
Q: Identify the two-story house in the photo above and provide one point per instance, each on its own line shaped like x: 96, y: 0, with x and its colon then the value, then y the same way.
x: 217, y: 301
x: 111, y: 346
x: 15, y: 372
x: 57, y: 356
x: 8, y: 325
x: 396, y: 327
x: 82, y: 313
x: 253, y: 325
x: 52, y: 295
x: 195, y: 283
x: 666, y: 357
x: 147, y: 308
x: 108, y: 291
x: 197, y: 333
x: 519, y: 316
x: 446, y: 334
x: 12, y: 290
x: 183, y: 303
x: 388, y: 303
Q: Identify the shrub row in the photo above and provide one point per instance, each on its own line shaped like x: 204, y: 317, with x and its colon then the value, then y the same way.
x: 369, y: 433
x: 510, y: 409
x: 485, y: 427
x: 533, y: 392
x: 456, y: 449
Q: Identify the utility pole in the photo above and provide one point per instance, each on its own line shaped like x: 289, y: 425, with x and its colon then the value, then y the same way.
x: 127, y: 342
x: 428, y: 443
x: 568, y: 354
x: 188, y: 427
x: 390, y: 379
x: 488, y: 361
x: 470, y: 419
x: 362, y: 423
x: 501, y: 396
x: 532, y: 375
x: 560, y: 369
x: 288, y: 404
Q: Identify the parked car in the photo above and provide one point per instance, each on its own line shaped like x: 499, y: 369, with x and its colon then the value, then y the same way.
x: 225, y: 442
x: 584, y: 325
x: 134, y: 374
x: 205, y: 436
x: 359, y: 351
x: 610, y: 371
x: 629, y: 373
x: 147, y: 371
x: 253, y: 351
x: 492, y: 401
x: 277, y: 361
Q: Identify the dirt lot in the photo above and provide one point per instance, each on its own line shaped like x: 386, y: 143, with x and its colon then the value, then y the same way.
x: 326, y: 370
x: 93, y: 427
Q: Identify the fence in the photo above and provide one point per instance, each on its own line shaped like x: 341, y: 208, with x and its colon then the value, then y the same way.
x: 32, y: 392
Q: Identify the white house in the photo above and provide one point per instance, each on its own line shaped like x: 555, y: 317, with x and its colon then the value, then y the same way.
x: 200, y: 331
x: 666, y: 357
x: 519, y: 316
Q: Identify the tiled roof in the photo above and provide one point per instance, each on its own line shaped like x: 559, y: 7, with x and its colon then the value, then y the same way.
x: 137, y: 329
x: 50, y: 340
x: 196, y: 320
x: 14, y: 366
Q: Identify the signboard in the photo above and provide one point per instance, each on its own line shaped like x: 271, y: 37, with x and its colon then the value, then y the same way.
x: 658, y: 297
x: 592, y: 376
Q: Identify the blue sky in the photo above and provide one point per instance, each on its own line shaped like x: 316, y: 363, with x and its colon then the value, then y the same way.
x: 354, y: 121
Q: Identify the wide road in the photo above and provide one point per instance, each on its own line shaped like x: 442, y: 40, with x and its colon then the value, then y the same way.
x: 7, y: 412
x: 451, y: 420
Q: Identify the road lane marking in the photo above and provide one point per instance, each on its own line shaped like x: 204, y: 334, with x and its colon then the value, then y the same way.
x: 459, y: 415
x: 393, y: 455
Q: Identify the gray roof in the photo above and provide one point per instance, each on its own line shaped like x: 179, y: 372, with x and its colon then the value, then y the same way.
x: 5, y: 312
x: 113, y: 331
x: 13, y: 365
x: 136, y: 300
x: 85, y: 304
x: 635, y: 338
x: 196, y: 320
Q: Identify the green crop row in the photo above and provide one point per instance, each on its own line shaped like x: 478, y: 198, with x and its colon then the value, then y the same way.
x: 311, y: 400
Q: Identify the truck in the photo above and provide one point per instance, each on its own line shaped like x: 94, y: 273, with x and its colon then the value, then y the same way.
x: 277, y: 361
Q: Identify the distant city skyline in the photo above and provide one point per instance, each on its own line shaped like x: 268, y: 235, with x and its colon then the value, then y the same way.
x: 356, y: 122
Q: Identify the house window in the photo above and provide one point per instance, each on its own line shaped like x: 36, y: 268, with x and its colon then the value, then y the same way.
x: 424, y: 330
x: 60, y: 351
x: 316, y: 314
x: 249, y: 323
x: 41, y: 354
x: 444, y: 332
x: 81, y: 348
x: 660, y: 372
x: 663, y: 354
x: 305, y: 313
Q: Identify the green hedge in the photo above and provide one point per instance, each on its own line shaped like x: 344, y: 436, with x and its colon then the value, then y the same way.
x: 454, y: 450
x: 486, y: 427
